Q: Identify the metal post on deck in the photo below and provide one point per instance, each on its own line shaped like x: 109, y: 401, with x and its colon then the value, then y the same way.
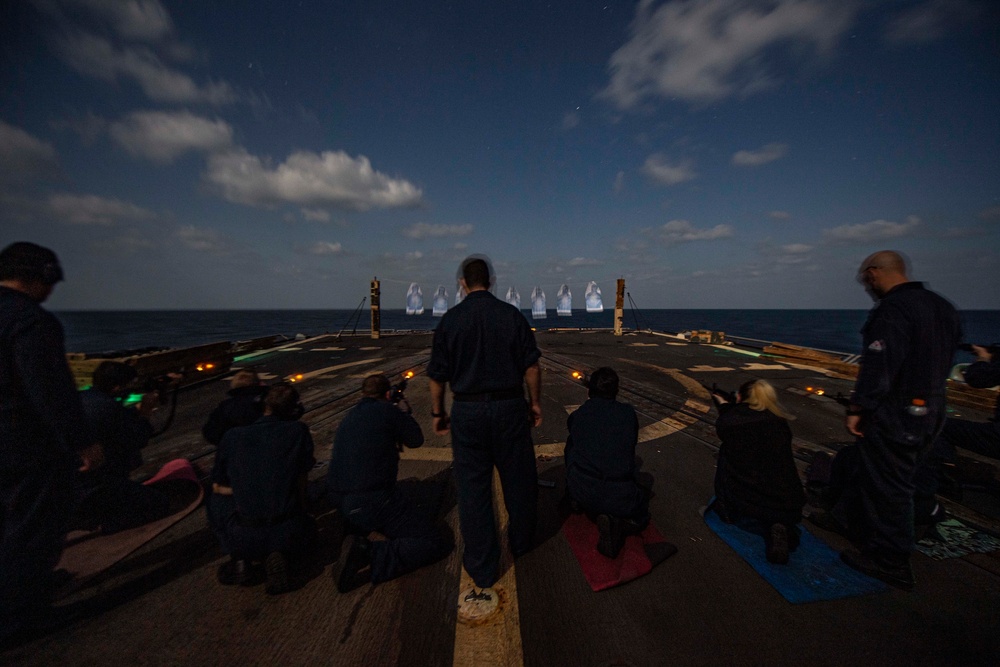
x: 376, y: 313
x: 619, y: 306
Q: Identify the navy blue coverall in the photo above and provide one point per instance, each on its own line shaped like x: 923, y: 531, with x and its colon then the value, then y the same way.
x: 107, y: 497
x: 364, y: 465
x: 42, y: 426
x: 600, y: 460
x: 265, y: 464
x: 909, y: 341
x: 482, y: 348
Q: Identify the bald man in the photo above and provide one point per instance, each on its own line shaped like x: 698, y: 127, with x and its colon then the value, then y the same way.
x: 897, y: 409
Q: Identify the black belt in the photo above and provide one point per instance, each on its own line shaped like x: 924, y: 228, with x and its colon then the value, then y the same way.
x: 253, y: 522
x: 485, y: 396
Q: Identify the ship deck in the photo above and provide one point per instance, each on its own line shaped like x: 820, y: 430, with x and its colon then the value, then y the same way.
x: 703, y: 606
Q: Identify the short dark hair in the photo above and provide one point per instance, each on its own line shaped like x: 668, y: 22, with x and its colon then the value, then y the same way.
x: 282, y: 400
x: 111, y: 374
x: 29, y: 261
x: 603, y: 383
x: 476, y: 273
x: 375, y: 386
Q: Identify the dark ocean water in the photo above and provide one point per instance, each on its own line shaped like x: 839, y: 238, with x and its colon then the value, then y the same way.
x: 837, y: 330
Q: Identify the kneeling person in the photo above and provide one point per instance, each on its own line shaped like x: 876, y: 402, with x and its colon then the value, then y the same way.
x: 601, y: 473
x: 107, y: 497
x: 265, y: 467
x: 362, y: 480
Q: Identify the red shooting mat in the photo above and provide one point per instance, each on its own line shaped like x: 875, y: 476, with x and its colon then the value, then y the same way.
x: 602, y: 573
x: 87, y: 553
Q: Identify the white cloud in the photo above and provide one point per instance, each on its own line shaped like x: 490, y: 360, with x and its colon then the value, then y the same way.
x: 930, y: 20
x: 416, y: 254
x: 163, y: 136
x: 584, y: 261
x: 422, y: 230
x: 316, y: 215
x: 682, y: 231
x: 200, y: 239
x: 992, y: 213
x: 768, y: 153
x: 658, y: 169
x: 331, y: 178
x: 570, y: 120
x: 876, y: 230
x: 24, y: 156
x: 143, y: 20
x: 707, y: 50
x: 796, y: 248
x: 779, y: 215
x: 619, y: 185
x: 94, y: 210
x: 94, y: 56
x: 326, y: 248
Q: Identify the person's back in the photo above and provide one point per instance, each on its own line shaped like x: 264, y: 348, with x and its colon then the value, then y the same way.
x: 263, y: 463
x: 243, y: 405
x: 365, y: 455
x: 756, y: 465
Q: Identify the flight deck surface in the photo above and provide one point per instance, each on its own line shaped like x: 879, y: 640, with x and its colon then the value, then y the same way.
x: 703, y: 606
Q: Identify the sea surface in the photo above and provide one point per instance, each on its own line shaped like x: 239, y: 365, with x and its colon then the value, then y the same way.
x: 834, y: 330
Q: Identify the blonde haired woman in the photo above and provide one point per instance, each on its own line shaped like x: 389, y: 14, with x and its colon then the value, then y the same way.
x: 756, y: 484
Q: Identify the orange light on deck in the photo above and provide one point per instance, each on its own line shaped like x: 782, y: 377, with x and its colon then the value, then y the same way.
x: 295, y: 378
x: 199, y: 367
x: 408, y: 374
x: 577, y: 375
x: 207, y: 366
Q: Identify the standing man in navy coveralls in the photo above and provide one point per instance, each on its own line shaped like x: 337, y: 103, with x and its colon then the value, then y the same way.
x: 897, y: 409
x: 43, y: 437
x: 485, y: 349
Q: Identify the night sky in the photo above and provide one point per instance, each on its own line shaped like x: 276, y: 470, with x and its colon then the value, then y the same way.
x: 714, y: 153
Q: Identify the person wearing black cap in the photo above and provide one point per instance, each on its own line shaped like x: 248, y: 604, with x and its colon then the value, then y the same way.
x: 43, y: 437
x: 486, y: 351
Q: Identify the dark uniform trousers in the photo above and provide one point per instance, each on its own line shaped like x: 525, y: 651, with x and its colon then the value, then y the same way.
x: 414, y: 539
x: 487, y: 434
x: 37, y: 504
x: 886, y: 480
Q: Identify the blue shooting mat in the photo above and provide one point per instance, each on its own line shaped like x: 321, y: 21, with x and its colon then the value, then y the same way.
x: 814, y: 571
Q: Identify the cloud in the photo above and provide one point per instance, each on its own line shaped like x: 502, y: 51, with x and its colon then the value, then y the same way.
x: 619, y: 185
x: 779, y: 215
x: 876, y: 230
x: 796, y: 248
x: 930, y: 20
x: 326, y: 248
x: 200, y: 239
x: 141, y: 20
x: 682, y: 231
x: 584, y: 261
x: 163, y: 136
x: 94, y: 210
x: 570, y: 120
x: 658, y: 169
x: 24, y: 156
x: 416, y: 254
x: 707, y: 50
x: 992, y: 213
x: 422, y: 230
x: 97, y: 57
x: 331, y: 178
x: 316, y: 215
x: 768, y: 153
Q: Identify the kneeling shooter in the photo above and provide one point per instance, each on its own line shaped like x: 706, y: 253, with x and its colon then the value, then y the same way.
x: 362, y: 482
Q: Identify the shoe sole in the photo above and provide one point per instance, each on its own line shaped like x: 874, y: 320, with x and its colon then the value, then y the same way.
x: 606, y: 540
x: 777, y: 549
x: 277, y: 574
